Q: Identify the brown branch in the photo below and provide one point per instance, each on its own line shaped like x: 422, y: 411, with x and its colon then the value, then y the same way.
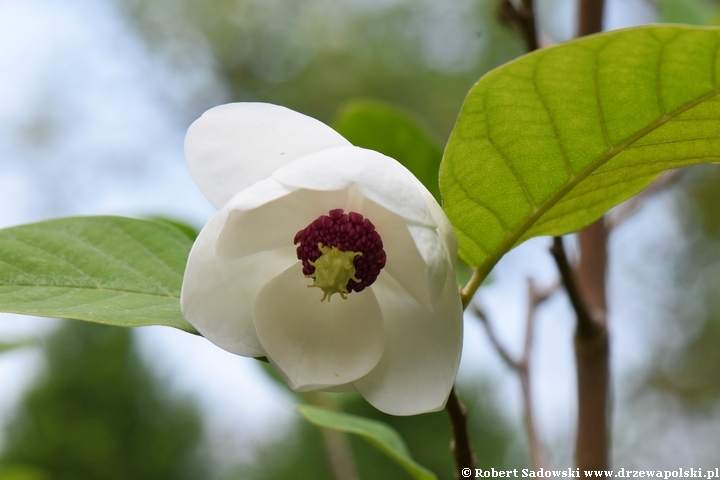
x: 590, y: 17
x: 592, y: 351
x: 461, y: 445
x: 587, y: 296
x: 521, y: 19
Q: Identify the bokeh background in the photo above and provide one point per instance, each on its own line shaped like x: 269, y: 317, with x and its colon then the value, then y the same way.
x: 95, y: 98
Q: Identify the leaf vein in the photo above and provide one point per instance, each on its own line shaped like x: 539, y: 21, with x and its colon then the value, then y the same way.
x: 662, y: 160
x: 513, y: 237
x: 556, y: 133
x: 658, y: 76
x: 601, y: 112
x: 56, y: 256
x: 116, y: 260
x: 80, y: 287
x: 515, y: 173
x: 670, y: 142
x: 467, y: 195
x: 470, y: 237
x: 16, y: 268
x: 149, y: 252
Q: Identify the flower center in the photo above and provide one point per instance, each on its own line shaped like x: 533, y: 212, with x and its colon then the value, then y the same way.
x: 333, y: 270
x: 342, y: 252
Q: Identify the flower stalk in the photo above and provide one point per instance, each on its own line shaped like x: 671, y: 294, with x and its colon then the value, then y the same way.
x: 460, y: 445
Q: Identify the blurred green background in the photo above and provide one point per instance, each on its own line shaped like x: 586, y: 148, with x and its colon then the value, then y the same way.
x: 97, y: 411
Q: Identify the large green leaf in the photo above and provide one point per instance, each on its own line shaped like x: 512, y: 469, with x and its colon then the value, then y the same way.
x: 546, y: 144
x: 394, y: 132
x: 111, y: 270
x: 377, y: 433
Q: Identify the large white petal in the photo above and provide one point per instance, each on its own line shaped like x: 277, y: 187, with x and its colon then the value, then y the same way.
x: 416, y: 257
x: 445, y: 229
x: 232, y: 146
x: 317, y: 345
x: 422, y: 351
x: 267, y: 215
x: 379, y: 178
x: 218, y: 294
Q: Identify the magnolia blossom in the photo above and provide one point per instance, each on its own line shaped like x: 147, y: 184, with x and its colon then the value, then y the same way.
x: 332, y: 261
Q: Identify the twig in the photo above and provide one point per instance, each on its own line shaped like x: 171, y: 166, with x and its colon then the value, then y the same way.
x: 502, y: 351
x: 586, y: 326
x: 536, y: 297
x: 522, y: 366
x: 460, y: 446
x: 522, y: 19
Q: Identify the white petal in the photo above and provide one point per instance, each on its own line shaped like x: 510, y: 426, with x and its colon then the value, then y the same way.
x: 445, y: 229
x: 267, y: 216
x: 434, y: 256
x: 232, y: 146
x: 422, y: 351
x: 379, y: 178
x: 218, y: 294
x: 344, y: 388
x: 416, y: 258
x: 317, y: 345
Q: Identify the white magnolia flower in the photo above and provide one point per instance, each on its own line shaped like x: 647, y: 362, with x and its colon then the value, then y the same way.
x: 300, y: 207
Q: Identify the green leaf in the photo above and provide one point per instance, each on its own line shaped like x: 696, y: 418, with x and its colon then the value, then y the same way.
x: 191, y: 232
x: 463, y: 273
x: 377, y: 433
x: 111, y: 270
x: 548, y: 143
x: 393, y: 132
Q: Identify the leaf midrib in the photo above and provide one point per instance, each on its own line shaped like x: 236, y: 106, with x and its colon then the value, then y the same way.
x: 134, y: 292
x: 511, y: 239
x: 120, y: 263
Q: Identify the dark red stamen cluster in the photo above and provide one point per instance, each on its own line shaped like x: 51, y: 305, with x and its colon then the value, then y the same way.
x: 346, y: 231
